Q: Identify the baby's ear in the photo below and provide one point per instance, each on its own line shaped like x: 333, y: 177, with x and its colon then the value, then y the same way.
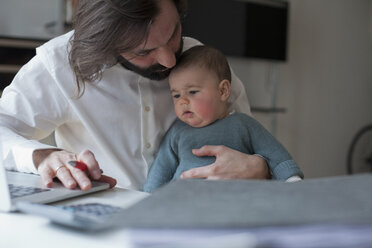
x: 224, y: 88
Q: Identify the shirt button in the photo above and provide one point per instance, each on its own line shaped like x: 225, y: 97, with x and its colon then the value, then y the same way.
x: 148, y: 145
x: 147, y: 109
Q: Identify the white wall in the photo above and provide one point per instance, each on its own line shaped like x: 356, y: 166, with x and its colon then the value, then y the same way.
x: 326, y: 84
x: 27, y: 18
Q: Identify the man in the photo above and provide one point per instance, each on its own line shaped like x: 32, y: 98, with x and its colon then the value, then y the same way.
x: 103, y: 89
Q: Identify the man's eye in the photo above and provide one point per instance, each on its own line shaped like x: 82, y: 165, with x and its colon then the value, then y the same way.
x: 142, y: 54
x: 176, y: 96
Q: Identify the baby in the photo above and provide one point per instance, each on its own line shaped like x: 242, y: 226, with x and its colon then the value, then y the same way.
x: 200, y: 86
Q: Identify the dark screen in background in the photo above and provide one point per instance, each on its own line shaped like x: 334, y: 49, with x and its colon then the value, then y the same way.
x: 256, y: 29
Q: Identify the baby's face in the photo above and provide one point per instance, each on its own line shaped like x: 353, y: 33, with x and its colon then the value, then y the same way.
x: 197, y: 96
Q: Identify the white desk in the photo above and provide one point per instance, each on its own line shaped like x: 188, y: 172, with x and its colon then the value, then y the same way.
x: 21, y: 230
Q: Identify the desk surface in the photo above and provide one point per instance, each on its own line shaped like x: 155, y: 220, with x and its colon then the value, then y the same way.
x: 21, y: 230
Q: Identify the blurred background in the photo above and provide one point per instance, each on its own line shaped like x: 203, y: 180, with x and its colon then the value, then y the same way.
x: 306, y: 66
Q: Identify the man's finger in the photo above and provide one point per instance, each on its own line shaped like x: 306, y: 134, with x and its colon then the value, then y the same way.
x: 47, y: 174
x: 200, y: 172
x: 64, y: 175
x: 89, y: 159
x: 81, y: 178
x: 207, y: 151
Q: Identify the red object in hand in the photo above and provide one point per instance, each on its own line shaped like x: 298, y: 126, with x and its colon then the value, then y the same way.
x: 78, y: 165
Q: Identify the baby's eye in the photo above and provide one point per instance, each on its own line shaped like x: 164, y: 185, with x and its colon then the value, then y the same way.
x: 193, y: 92
x: 176, y: 96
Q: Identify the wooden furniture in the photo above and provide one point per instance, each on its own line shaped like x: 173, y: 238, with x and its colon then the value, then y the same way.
x: 14, y: 53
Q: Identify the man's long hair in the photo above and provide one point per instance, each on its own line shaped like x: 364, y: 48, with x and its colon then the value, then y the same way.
x: 103, y: 29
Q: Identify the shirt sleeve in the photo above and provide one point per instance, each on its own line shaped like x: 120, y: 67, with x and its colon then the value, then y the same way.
x: 238, y: 100
x: 31, y: 107
x: 164, y: 166
x: 293, y: 179
x: 281, y: 164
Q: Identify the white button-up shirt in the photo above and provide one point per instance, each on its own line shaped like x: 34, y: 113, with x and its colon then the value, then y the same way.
x: 121, y: 118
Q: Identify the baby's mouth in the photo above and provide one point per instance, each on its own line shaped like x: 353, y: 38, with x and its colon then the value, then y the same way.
x: 187, y: 113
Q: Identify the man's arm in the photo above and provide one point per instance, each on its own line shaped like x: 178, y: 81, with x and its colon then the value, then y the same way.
x: 30, y: 109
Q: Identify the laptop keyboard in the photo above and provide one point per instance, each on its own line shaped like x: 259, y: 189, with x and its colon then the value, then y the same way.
x: 19, y: 190
x: 95, y: 209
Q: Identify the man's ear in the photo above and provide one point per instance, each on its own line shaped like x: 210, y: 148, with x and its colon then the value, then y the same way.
x: 224, y: 88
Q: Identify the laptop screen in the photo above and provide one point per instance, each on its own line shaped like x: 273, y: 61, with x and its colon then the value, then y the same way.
x: 5, y: 202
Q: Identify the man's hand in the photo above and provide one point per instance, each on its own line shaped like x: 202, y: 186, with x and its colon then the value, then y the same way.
x: 229, y: 164
x: 53, y: 163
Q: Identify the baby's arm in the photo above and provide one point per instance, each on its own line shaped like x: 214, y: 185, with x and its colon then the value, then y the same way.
x: 163, y: 167
x: 281, y: 164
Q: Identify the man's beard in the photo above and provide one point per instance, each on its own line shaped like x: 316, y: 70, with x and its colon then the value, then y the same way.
x: 154, y: 72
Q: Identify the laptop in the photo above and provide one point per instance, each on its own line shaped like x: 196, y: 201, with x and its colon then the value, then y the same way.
x: 18, y: 187
x: 238, y: 204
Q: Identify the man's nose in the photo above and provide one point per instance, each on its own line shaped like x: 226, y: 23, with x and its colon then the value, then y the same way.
x: 166, y: 57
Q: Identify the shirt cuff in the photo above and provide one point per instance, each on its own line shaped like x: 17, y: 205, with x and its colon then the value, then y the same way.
x: 22, y: 156
x: 293, y: 179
